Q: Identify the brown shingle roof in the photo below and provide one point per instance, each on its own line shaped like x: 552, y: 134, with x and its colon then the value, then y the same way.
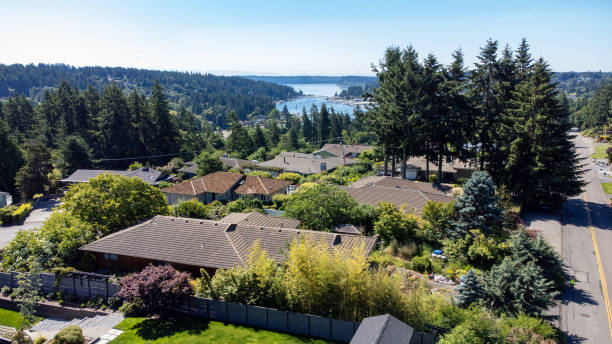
x: 305, y: 163
x: 211, y: 244
x: 235, y: 163
x: 413, y: 199
x: 336, y: 149
x: 218, y: 182
x: 399, y: 183
x: 261, y: 185
x: 259, y: 219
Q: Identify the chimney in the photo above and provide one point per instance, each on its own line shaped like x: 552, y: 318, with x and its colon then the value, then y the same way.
x: 284, y: 159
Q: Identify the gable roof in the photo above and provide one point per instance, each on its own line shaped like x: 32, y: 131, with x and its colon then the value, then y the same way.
x: 217, y: 182
x: 337, y: 149
x: 405, y: 184
x: 146, y: 174
x: 211, y: 244
x: 190, y: 168
x: 413, y: 199
x: 382, y: 329
x: 258, y: 219
x: 304, y: 163
x: 261, y: 185
x: 235, y: 163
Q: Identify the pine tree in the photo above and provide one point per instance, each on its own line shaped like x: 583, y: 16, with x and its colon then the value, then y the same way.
x: 259, y: 138
x: 273, y: 132
x: 477, y: 207
x: 141, y: 124
x: 114, y: 122
x: 11, y: 161
x: 306, y: 126
x: 75, y: 154
x: 165, y: 133
x: 239, y: 140
x: 469, y: 290
x: 324, y: 124
x: 315, y: 118
x: 33, y: 177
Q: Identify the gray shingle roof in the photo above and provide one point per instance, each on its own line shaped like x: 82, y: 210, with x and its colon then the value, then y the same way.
x: 259, y: 219
x: 337, y: 149
x: 304, y: 163
x: 442, y: 189
x: 146, y: 174
x: 382, y: 329
x: 413, y: 199
x: 211, y: 244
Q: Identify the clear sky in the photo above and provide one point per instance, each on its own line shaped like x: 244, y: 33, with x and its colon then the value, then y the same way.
x: 296, y: 37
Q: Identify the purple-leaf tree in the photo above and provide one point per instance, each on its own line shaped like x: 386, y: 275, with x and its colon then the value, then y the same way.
x: 158, y: 288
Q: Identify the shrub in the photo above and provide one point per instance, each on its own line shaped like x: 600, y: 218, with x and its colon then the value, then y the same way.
x: 421, y: 264
x: 21, y: 337
x: 393, y: 223
x: 461, y: 181
x: 135, y: 165
x: 132, y: 309
x: 262, y: 174
x: 40, y: 340
x: 69, y: 335
x: 6, y: 214
x: 433, y: 179
x: 88, y: 262
x: 160, y: 288
x: 21, y: 213
x: 292, y: 177
x: 35, y: 197
x: 244, y: 204
x: 114, y: 302
x: 192, y: 208
x: 6, y: 290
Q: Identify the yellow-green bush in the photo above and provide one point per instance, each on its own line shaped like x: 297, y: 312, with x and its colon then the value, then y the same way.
x: 22, y: 212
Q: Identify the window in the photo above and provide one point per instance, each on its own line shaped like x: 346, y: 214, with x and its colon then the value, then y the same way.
x: 113, y: 257
x: 106, y: 256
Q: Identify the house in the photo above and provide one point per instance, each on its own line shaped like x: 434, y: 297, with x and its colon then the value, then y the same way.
x: 411, y: 199
x: 146, y: 174
x: 190, y: 169
x: 384, y: 329
x: 336, y: 150
x: 191, y: 244
x: 416, y: 168
x: 5, y: 199
x: 305, y: 164
x: 259, y: 219
x: 225, y: 186
x: 388, y: 181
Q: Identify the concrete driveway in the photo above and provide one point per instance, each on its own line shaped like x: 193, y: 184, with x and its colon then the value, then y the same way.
x: 37, y: 217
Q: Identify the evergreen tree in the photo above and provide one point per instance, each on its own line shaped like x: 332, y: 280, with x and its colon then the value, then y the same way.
x: 324, y: 124
x: 165, y: 133
x: 74, y: 155
x: 142, y: 126
x: 273, y: 132
x: 19, y: 115
x: 469, y: 290
x: 33, y: 177
x: 315, y: 119
x: 291, y: 140
x: 307, y: 131
x: 115, y: 135
x: 477, y: 207
x: 11, y: 160
x: 208, y: 162
x: 259, y: 138
x: 239, y: 140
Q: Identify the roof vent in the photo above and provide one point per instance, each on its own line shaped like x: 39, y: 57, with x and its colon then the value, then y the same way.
x: 216, y: 223
x: 171, y: 219
x: 261, y: 228
x: 201, y: 222
x: 280, y: 230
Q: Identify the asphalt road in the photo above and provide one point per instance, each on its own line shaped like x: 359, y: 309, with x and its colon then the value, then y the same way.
x: 36, y: 218
x: 583, y: 314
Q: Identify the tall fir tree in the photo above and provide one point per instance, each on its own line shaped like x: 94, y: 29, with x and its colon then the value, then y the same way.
x: 114, y: 124
x: 306, y: 126
x: 165, y: 132
x: 239, y: 140
x: 11, y: 161
x: 259, y: 138
x: 33, y: 177
x: 324, y: 124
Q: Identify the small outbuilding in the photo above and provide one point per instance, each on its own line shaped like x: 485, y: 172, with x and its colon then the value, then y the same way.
x: 383, y: 329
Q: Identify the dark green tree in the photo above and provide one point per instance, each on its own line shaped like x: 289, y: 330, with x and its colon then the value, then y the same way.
x: 469, y: 290
x: 259, y: 138
x: 324, y: 124
x: 239, y: 140
x: 208, y: 162
x: 165, y: 133
x: 33, y: 177
x: 307, y: 130
x: 74, y: 154
x: 477, y: 207
x: 115, y: 134
x: 11, y: 162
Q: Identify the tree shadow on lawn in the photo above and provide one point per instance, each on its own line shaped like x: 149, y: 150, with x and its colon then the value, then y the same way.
x: 152, y: 329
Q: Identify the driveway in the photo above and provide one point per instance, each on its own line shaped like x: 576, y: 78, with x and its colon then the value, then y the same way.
x: 36, y: 218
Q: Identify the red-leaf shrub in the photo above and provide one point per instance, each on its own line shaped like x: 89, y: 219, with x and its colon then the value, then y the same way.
x: 158, y: 288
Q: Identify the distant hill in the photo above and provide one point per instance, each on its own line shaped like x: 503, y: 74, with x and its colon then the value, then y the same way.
x: 350, y: 80
x: 198, y: 92
x: 581, y: 84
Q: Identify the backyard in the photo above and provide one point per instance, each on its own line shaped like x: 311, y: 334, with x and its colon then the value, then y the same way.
x: 11, y: 318
x: 194, y: 330
x: 600, y: 152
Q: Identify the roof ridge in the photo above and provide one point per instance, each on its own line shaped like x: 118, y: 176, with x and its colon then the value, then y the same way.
x: 203, y: 184
x: 136, y: 226
x: 379, y: 335
x: 262, y: 185
x: 193, y: 187
x: 229, y: 239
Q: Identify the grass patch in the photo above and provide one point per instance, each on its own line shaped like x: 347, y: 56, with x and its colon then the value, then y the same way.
x: 600, y: 152
x: 607, y: 187
x: 183, y: 330
x: 12, y: 318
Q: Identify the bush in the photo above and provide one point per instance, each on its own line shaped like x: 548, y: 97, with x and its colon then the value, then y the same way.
x: 192, y: 208
x: 40, y: 340
x: 6, y: 290
x: 421, y: 264
x: 21, y: 213
x: 292, y: 177
x: 6, y: 214
x: 242, y: 205
x: 262, y: 174
x: 135, y: 165
x: 159, y: 288
x: 393, y: 223
x: 433, y: 179
x: 132, y: 309
x: 88, y: 262
x: 21, y: 337
x: 69, y: 335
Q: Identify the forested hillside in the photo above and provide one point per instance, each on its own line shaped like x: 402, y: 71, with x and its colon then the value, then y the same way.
x: 196, y: 92
x: 349, y: 80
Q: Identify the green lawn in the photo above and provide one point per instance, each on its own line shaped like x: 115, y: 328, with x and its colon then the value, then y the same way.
x: 183, y: 330
x: 600, y: 152
x: 12, y: 318
x: 607, y: 187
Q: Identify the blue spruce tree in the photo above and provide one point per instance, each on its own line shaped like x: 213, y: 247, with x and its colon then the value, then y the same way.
x: 469, y: 290
x: 477, y: 207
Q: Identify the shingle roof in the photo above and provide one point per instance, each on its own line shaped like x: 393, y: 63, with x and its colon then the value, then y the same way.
x: 217, y: 182
x: 382, y: 329
x: 449, y: 167
x: 304, y: 163
x: 261, y: 185
x: 413, y: 199
x: 190, y: 168
x: 148, y: 175
x: 400, y: 183
x: 337, y: 149
x: 235, y: 163
x: 259, y: 219
x: 211, y: 244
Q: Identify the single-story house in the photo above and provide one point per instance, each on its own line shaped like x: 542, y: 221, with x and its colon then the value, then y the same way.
x: 190, y: 169
x: 406, y: 184
x: 336, y: 150
x: 191, y: 244
x: 258, y: 219
x: 225, y: 186
x: 416, y: 167
x: 5, y: 199
x: 412, y: 199
x: 384, y: 329
x: 305, y: 164
x: 147, y: 174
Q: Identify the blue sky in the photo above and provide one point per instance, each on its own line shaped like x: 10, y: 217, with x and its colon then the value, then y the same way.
x: 297, y: 38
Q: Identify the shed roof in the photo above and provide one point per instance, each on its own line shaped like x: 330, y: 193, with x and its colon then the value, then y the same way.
x: 382, y: 329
